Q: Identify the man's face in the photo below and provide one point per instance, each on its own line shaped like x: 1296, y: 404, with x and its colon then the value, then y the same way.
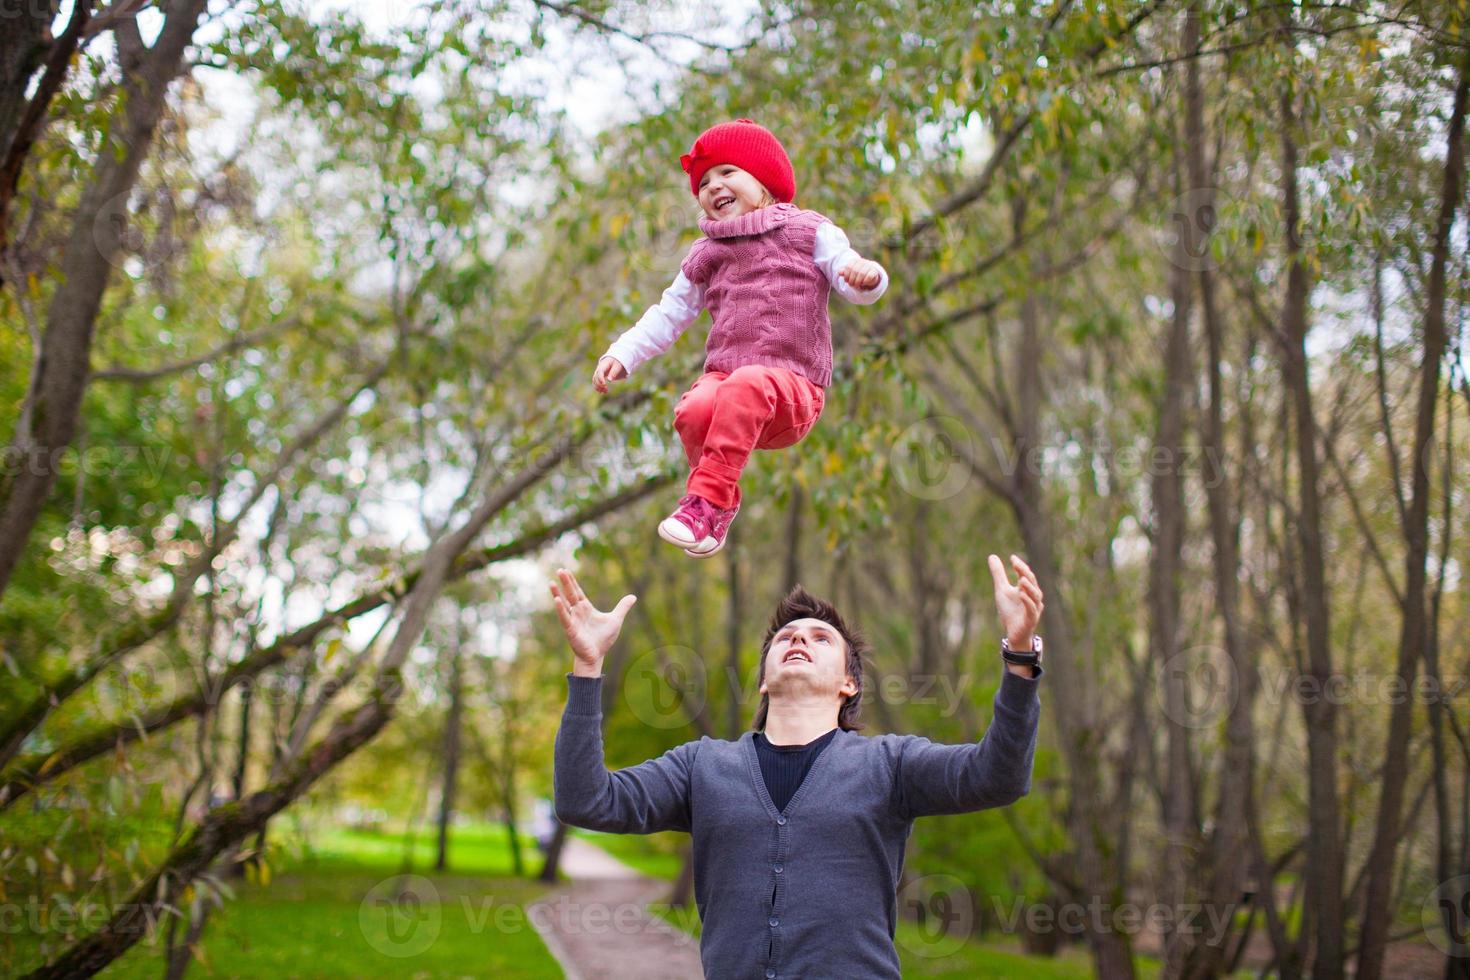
x: 726, y: 191
x: 807, y: 655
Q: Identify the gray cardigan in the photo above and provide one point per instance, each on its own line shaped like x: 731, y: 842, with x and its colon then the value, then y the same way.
x: 812, y: 891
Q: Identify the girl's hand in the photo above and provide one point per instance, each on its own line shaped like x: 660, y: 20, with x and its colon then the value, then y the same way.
x: 1020, y: 605
x: 590, y: 632
x: 862, y: 274
x: 608, y: 369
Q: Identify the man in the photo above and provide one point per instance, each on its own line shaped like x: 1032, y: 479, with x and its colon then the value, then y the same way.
x: 798, y: 829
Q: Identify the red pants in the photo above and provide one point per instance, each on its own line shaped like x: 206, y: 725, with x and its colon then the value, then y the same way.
x: 724, y: 417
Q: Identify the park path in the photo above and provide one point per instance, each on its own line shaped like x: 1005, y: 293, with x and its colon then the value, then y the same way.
x: 598, y: 928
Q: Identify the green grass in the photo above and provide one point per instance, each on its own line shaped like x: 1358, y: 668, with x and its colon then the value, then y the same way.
x: 330, y: 913
x: 474, y: 848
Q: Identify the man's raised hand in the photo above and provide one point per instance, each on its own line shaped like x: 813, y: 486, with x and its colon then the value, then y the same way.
x: 590, y: 632
x: 1019, y: 605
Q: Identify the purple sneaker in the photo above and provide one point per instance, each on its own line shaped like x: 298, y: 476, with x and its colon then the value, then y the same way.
x: 721, y: 518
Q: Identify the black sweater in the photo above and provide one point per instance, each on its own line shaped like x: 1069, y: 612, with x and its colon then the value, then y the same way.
x: 783, y: 767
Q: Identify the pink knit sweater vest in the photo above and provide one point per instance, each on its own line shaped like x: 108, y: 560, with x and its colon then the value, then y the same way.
x: 767, y: 297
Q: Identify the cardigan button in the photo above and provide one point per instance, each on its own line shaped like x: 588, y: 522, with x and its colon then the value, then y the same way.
x: 781, y: 820
x: 780, y: 868
x: 774, y: 921
x: 770, y: 974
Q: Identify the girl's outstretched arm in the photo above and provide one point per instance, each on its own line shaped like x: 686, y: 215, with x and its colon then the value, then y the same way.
x: 658, y: 328
x: 833, y: 253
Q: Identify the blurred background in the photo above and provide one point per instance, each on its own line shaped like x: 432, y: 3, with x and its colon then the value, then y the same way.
x: 299, y: 313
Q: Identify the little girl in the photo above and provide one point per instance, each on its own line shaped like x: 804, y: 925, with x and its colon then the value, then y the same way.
x: 764, y: 269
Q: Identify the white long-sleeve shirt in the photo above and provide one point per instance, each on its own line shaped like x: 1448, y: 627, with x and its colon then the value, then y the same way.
x: 683, y: 301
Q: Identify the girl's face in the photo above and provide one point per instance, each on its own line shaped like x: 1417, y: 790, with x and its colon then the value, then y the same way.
x: 726, y: 191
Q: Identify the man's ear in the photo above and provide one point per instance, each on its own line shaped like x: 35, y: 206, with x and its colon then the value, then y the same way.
x: 849, y: 686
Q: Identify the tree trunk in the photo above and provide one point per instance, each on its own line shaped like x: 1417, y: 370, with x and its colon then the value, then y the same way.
x: 1325, y: 851
x: 48, y: 420
x: 1092, y: 830
x: 29, y: 35
x: 1166, y: 558
x: 553, y: 854
x: 1378, y: 907
x: 734, y: 640
x: 236, y: 869
x: 452, y: 727
x: 683, y: 890
x: 1229, y: 840
x: 793, y: 539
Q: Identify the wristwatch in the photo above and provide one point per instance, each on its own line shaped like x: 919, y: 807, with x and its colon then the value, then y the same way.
x: 1028, y: 658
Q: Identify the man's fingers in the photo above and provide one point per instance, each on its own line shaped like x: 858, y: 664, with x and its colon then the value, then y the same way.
x: 620, y: 611
x: 1030, y: 587
x: 1030, y: 608
x: 998, y: 573
x: 563, y: 613
x: 1023, y: 569
x: 570, y: 591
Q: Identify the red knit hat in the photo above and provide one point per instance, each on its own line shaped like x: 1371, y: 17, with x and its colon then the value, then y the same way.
x: 747, y: 145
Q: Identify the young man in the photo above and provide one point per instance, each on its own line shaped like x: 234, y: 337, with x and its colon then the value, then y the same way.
x: 799, y: 828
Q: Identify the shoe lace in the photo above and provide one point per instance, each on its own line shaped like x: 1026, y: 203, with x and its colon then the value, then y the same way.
x: 701, y: 510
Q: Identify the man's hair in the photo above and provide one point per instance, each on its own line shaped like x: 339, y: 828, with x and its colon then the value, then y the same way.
x: 801, y: 604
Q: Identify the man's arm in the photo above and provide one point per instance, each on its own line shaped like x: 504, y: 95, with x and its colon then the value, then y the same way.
x: 642, y: 799
x: 658, y: 328
x: 995, y: 771
x: 646, y: 798
x: 934, y: 779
